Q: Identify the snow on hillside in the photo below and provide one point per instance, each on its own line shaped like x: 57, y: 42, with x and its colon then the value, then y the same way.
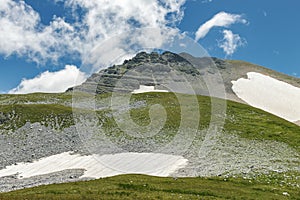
x: 144, y: 89
x: 269, y: 94
x: 100, y: 166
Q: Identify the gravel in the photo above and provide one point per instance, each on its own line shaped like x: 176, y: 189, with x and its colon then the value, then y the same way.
x: 34, y: 141
x: 223, y: 154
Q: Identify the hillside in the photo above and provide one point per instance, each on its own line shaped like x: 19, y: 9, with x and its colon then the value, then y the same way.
x: 183, y: 73
x: 195, y: 69
x: 156, y: 114
x: 237, y: 149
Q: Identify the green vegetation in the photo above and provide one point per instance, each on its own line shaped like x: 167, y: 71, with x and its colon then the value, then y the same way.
x: 241, y: 119
x: 253, y: 123
x: 55, y: 110
x: 244, y: 67
x: 48, y: 109
x: 17, y: 115
x: 148, y: 187
x: 60, y: 98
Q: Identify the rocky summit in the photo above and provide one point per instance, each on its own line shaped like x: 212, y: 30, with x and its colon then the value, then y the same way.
x: 150, y: 69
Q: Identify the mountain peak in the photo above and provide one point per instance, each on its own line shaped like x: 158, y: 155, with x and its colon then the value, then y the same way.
x: 154, y: 57
x: 139, y: 67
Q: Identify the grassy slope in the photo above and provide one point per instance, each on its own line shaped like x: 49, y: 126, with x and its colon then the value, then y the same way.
x: 241, y: 119
x: 253, y: 123
x: 16, y: 115
x: 49, y: 109
x: 147, y: 187
x: 241, y: 68
x: 60, y: 98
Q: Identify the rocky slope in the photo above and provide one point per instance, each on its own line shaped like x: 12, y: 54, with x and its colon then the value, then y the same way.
x: 251, y: 142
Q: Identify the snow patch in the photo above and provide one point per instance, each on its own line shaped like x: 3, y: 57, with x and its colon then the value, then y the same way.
x: 96, y: 166
x: 144, y: 89
x: 269, y: 94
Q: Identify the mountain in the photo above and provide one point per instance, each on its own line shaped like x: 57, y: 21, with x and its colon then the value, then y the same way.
x: 207, y: 76
x: 126, y: 120
x: 159, y: 64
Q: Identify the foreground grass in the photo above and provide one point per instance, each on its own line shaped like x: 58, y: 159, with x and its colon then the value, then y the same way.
x: 148, y: 187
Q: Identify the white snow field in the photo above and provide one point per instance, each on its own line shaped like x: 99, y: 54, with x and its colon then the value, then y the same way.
x: 144, y: 88
x: 269, y: 94
x: 100, y: 166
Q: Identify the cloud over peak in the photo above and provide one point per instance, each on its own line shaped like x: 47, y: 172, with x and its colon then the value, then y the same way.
x: 221, y: 19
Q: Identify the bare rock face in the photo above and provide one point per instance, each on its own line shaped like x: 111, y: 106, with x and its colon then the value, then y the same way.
x: 144, y: 69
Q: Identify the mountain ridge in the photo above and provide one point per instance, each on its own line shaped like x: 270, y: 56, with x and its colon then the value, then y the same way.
x: 197, y: 69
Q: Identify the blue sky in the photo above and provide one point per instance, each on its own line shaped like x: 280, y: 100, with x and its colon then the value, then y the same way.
x: 55, y: 36
x: 272, y: 34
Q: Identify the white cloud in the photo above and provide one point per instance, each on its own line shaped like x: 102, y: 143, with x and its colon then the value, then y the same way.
x: 96, y: 23
x: 51, y: 82
x: 231, y: 42
x: 113, y: 25
x: 222, y: 19
x: 22, y: 33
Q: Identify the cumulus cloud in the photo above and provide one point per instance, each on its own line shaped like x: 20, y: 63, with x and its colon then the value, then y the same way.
x: 122, y: 27
x: 22, y: 33
x: 117, y: 28
x: 51, y: 82
x: 222, y: 19
x: 230, y: 42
